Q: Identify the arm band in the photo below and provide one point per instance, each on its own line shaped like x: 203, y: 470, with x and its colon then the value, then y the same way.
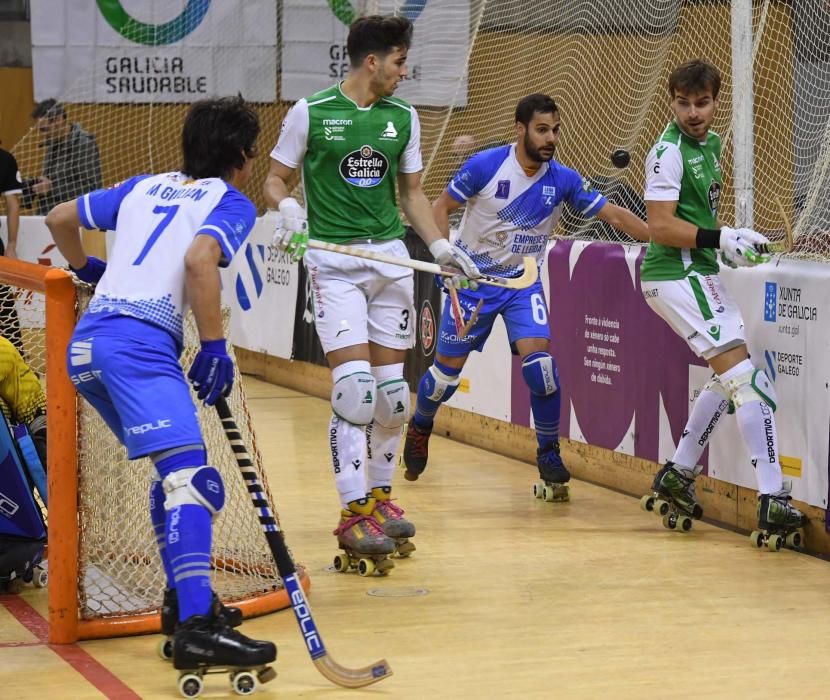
x: 708, y: 238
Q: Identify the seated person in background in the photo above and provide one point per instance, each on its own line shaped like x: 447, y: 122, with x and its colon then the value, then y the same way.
x: 22, y: 399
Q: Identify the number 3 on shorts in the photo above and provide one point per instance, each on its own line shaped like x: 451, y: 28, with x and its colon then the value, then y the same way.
x: 540, y: 314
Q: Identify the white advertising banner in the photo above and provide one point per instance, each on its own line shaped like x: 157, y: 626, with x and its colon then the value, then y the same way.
x: 154, y: 50
x: 314, y: 47
x: 786, y: 309
x: 260, y: 287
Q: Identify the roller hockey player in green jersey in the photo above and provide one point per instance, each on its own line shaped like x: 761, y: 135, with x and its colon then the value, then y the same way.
x: 680, y: 281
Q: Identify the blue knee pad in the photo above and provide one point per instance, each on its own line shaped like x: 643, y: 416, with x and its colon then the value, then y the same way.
x: 540, y: 373
x: 437, y: 385
x: 201, y: 486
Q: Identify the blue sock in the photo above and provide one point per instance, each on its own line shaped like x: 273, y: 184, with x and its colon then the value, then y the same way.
x: 426, y: 407
x: 546, y: 410
x: 188, y: 547
x: 158, y: 516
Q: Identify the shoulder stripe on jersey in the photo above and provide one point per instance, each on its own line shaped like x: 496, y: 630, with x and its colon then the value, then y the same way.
x: 325, y: 99
x: 591, y: 205
x: 211, y: 227
x: 88, y: 211
x: 460, y: 193
x: 408, y: 108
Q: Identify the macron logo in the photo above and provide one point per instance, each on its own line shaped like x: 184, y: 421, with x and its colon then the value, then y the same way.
x: 81, y: 352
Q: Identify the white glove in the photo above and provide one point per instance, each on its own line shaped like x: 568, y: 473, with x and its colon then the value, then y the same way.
x: 291, y: 234
x: 448, y: 255
x: 740, y: 246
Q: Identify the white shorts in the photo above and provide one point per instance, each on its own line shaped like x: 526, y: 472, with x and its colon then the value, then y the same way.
x: 356, y: 301
x: 700, y: 310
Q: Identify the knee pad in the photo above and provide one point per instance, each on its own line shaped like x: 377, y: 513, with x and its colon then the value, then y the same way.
x: 353, y: 398
x: 752, y: 386
x: 200, y: 486
x: 540, y: 373
x: 392, y: 408
x: 439, y: 386
x: 714, y: 384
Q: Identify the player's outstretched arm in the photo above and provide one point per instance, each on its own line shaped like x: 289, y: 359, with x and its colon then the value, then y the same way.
x: 624, y: 220
x: 416, y: 207
x: 441, y: 210
x: 203, y: 286
x: 64, y: 223
x: 666, y: 228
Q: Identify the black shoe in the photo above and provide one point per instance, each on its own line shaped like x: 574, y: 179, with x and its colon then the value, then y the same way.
x: 170, y: 612
x: 551, y: 467
x: 415, y: 450
x: 205, y: 640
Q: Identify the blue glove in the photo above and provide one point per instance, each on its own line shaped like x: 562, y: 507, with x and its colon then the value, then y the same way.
x: 92, y: 272
x: 211, y: 372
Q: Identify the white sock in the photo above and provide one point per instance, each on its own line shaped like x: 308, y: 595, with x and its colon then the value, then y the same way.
x: 382, y: 443
x: 348, y: 445
x: 757, y: 424
x: 707, y: 411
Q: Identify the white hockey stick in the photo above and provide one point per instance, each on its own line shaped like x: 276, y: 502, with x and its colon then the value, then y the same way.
x: 528, y: 277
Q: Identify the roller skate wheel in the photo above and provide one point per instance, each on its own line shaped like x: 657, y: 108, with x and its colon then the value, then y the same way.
x: 405, y: 549
x: 661, y: 507
x: 669, y: 521
x: 365, y: 567
x: 697, y: 511
x: 41, y: 578
x: 191, y: 685
x: 243, y: 682
x: 267, y: 674
x: 342, y: 562
x: 647, y: 503
x: 757, y: 538
x: 165, y: 649
x: 684, y: 523
x: 547, y: 493
x: 793, y: 540
x: 774, y: 543
x: 539, y: 489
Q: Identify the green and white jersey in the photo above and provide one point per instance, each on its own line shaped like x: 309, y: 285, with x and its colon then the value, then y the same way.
x: 350, y: 157
x: 682, y: 169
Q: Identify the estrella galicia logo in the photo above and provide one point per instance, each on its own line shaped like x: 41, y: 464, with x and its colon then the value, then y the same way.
x: 769, y: 356
x: 241, y: 291
x: 344, y: 10
x: 154, y: 34
x: 771, y: 302
x: 364, y: 168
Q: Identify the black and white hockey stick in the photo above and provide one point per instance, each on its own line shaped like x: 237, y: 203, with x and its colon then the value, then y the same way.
x: 346, y: 677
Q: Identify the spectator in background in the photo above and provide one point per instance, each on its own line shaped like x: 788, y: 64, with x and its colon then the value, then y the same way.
x: 71, y: 164
x: 11, y: 186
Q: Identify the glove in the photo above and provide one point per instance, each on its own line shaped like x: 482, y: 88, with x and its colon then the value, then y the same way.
x: 738, y: 246
x: 211, y: 373
x: 92, y: 272
x: 448, y: 255
x: 291, y: 234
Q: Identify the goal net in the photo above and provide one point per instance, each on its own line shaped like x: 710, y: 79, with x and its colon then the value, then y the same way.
x: 605, y: 63
x: 104, y: 569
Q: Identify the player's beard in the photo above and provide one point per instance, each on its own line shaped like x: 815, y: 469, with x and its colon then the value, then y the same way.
x: 535, y: 154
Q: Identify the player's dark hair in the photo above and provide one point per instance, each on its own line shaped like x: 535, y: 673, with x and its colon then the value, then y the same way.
x: 537, y: 102
x: 695, y: 76
x: 379, y: 35
x: 50, y: 108
x: 218, y: 136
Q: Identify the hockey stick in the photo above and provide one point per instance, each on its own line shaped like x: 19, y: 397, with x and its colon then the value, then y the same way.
x: 346, y: 677
x: 786, y: 245
x: 528, y: 277
x: 462, y: 327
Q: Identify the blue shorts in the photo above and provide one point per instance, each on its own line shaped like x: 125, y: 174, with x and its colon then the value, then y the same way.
x: 524, y: 311
x: 129, y: 371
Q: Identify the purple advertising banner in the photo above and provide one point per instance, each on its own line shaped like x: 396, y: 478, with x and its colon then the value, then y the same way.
x: 618, y: 361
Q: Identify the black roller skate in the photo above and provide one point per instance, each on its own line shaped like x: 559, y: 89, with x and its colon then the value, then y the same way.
x: 553, y: 475
x: 170, y: 618
x: 364, y: 544
x: 778, y: 521
x: 390, y: 517
x: 415, y: 450
x: 674, y: 497
x: 206, y: 644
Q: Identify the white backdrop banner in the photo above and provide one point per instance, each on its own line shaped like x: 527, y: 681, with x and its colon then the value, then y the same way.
x: 260, y: 286
x: 314, y: 47
x: 154, y: 50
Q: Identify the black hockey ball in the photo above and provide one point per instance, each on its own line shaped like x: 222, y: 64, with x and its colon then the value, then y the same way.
x: 620, y: 158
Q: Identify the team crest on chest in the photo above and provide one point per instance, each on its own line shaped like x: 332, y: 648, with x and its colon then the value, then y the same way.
x: 503, y: 189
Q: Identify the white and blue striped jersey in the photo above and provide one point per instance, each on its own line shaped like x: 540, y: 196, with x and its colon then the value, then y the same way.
x: 155, y: 219
x: 509, y: 214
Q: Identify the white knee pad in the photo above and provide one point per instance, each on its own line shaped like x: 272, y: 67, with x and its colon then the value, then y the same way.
x: 201, y: 486
x: 752, y: 386
x: 714, y: 384
x: 442, y: 386
x: 353, y: 398
x: 392, y: 409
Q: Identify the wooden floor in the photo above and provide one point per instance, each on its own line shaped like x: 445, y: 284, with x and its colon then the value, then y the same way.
x: 520, y: 598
